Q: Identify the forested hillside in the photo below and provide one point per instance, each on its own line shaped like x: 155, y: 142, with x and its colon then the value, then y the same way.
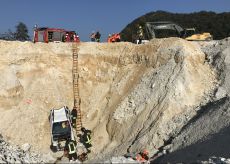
x: 217, y: 24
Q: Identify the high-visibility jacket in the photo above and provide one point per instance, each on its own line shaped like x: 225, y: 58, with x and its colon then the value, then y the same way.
x: 140, y: 158
x: 113, y: 39
x: 118, y: 37
x: 74, y: 114
x: 88, y: 137
x: 72, y: 148
x: 74, y: 117
x: 109, y: 39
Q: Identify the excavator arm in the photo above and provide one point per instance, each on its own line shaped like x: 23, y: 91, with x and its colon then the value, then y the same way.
x: 153, y: 27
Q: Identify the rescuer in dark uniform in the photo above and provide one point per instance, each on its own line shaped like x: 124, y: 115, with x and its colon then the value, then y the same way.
x: 74, y: 117
x: 86, y: 138
x: 70, y: 147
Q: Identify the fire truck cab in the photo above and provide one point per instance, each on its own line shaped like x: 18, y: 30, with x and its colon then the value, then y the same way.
x: 45, y: 34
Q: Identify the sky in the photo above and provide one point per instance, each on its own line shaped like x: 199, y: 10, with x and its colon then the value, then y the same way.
x: 85, y: 16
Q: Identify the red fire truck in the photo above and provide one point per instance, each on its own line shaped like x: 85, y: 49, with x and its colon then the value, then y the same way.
x: 45, y: 34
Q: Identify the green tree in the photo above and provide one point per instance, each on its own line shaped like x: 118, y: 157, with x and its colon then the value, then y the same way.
x: 21, y: 32
x: 8, y: 35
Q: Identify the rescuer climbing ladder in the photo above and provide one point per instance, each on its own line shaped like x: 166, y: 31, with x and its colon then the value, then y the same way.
x: 77, y: 99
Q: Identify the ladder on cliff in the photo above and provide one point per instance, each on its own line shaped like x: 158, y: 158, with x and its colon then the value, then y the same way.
x: 77, y: 99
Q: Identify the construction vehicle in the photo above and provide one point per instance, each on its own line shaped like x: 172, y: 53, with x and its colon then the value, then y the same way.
x: 200, y: 37
x: 170, y: 29
x: 45, y: 34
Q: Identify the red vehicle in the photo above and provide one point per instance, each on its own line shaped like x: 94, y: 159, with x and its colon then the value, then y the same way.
x: 114, y: 38
x: 45, y: 34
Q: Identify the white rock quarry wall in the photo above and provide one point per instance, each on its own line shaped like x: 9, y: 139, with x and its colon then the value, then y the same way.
x: 135, y: 96
x: 32, y: 80
x: 207, y: 134
x: 163, y: 100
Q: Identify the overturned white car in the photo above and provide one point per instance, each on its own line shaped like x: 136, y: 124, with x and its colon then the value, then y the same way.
x: 61, y: 128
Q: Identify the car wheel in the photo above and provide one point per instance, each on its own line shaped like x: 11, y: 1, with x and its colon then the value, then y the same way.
x: 53, y: 148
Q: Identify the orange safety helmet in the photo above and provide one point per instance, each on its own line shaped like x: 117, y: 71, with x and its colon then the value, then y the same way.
x: 146, y: 152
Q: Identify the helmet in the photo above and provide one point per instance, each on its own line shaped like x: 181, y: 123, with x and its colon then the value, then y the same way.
x: 140, y: 27
x: 83, y: 129
x: 146, y: 152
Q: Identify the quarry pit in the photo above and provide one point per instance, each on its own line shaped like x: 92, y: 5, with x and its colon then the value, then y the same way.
x: 132, y: 96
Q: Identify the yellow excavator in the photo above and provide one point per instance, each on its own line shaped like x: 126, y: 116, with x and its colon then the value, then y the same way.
x: 170, y: 29
x: 206, y: 36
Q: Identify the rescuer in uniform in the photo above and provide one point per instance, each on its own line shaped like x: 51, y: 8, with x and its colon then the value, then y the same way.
x: 70, y: 147
x: 140, y: 34
x: 86, y: 138
x: 74, y: 117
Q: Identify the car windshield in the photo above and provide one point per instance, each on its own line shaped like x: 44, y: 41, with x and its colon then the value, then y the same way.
x: 61, y: 128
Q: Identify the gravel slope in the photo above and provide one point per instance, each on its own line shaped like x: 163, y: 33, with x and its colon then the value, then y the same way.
x: 207, y: 134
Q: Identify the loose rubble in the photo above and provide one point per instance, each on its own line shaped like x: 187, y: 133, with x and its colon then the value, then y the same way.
x: 15, y: 154
x: 120, y: 160
x: 216, y: 160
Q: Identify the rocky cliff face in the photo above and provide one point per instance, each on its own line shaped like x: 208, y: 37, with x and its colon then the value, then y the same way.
x: 207, y: 134
x: 133, y: 96
x: 174, y: 80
